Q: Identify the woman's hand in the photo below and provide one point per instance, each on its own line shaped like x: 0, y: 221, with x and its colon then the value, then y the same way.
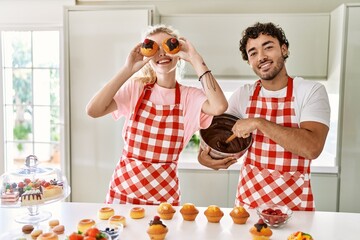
x: 187, y: 51
x: 135, y: 60
x: 206, y: 160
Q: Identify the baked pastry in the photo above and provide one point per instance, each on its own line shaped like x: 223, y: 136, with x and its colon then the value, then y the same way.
x: 105, y: 213
x: 157, y: 230
x: 300, y: 236
x: 35, y: 233
x: 9, y: 197
x: 48, y: 236
x: 213, y: 214
x: 31, y: 197
x: 53, y: 223
x: 189, y: 212
x: 171, y: 45
x: 239, y: 215
x: 260, y: 231
x: 116, y: 220
x: 85, y: 224
x: 27, y: 228
x: 59, y: 229
x: 166, y: 211
x: 137, y: 212
x: 52, y: 191
x: 149, y: 48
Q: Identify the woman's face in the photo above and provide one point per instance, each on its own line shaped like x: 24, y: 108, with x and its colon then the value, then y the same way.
x: 161, y: 62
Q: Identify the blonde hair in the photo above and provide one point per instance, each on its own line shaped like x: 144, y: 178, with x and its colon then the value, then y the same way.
x: 147, y: 74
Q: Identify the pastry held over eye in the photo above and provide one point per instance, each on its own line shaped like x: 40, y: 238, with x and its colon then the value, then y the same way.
x: 149, y: 48
x: 171, y: 45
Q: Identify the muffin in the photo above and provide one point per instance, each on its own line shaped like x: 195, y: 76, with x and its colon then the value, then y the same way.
x: 85, y: 224
x: 189, y: 212
x: 213, y: 214
x: 300, y: 236
x: 166, y: 211
x: 117, y: 220
x: 260, y: 231
x: 239, y: 215
x: 105, y: 213
x: 157, y: 230
x: 149, y: 48
x: 171, y: 45
x: 137, y: 212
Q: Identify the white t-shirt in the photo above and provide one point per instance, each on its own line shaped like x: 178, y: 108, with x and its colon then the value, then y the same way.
x: 191, y: 99
x: 311, y: 101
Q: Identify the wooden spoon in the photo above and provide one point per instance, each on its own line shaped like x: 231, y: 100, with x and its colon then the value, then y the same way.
x: 225, y: 144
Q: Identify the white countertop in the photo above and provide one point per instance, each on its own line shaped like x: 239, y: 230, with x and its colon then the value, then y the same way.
x: 321, y: 225
x: 188, y: 161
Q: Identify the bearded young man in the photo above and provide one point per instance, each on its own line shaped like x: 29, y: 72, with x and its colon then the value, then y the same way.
x: 289, y: 118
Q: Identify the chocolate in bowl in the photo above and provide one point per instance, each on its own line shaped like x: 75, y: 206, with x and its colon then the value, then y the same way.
x: 217, y: 133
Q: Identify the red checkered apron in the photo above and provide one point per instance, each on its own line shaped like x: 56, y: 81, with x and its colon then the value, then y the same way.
x: 270, y: 174
x: 147, y: 171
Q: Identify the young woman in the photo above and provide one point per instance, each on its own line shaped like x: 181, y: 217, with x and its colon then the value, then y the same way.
x: 160, y: 114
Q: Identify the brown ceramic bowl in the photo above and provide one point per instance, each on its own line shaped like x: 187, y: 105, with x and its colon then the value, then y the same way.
x: 217, y: 133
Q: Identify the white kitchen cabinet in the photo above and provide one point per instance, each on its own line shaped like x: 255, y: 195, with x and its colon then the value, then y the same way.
x: 98, y: 40
x: 217, y: 36
x: 350, y: 124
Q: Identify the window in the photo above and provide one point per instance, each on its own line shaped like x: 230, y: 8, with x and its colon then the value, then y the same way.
x: 30, y: 62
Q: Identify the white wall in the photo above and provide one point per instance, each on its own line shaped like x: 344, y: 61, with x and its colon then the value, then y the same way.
x: 38, y: 12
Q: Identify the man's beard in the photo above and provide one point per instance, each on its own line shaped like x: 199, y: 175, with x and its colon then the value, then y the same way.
x: 273, y: 72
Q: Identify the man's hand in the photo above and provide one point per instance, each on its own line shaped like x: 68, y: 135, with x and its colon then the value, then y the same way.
x: 206, y: 160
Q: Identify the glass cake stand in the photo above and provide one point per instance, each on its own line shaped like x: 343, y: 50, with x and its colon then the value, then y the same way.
x: 32, y: 187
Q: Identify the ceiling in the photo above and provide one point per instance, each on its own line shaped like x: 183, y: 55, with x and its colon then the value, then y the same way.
x: 165, y: 7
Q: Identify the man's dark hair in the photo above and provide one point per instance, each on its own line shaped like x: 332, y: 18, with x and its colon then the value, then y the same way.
x: 262, y: 28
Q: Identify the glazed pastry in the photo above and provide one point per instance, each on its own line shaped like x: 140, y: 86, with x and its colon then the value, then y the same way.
x: 239, y: 215
x: 213, y: 214
x: 260, y: 231
x: 171, y: 45
x: 189, y: 212
x: 149, y: 48
x: 27, y: 229
x: 85, y: 224
x: 105, y: 213
x: 35, y: 233
x: 137, y: 213
x: 157, y: 230
x: 166, y: 211
x: 53, y: 223
x: 117, y: 220
x: 300, y: 236
x: 59, y: 229
x: 48, y: 236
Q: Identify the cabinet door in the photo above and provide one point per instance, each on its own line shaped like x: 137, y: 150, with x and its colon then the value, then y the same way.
x: 350, y: 126
x: 217, y: 38
x: 98, y: 42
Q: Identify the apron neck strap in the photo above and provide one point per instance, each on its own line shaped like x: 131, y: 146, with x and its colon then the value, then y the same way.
x: 289, y: 90
x: 145, y: 95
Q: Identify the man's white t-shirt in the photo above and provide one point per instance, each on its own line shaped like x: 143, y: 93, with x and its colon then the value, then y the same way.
x: 311, y: 102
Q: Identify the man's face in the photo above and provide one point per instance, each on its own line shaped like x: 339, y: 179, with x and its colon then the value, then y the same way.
x: 266, y: 56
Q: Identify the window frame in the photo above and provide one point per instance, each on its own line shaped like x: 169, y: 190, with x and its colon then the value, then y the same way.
x: 62, y: 143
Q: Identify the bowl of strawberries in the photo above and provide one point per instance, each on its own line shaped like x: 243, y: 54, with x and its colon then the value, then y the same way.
x: 92, y: 233
x: 274, y: 215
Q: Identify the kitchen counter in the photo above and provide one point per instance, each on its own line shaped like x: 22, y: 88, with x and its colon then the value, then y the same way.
x: 189, y: 161
x: 322, y: 225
